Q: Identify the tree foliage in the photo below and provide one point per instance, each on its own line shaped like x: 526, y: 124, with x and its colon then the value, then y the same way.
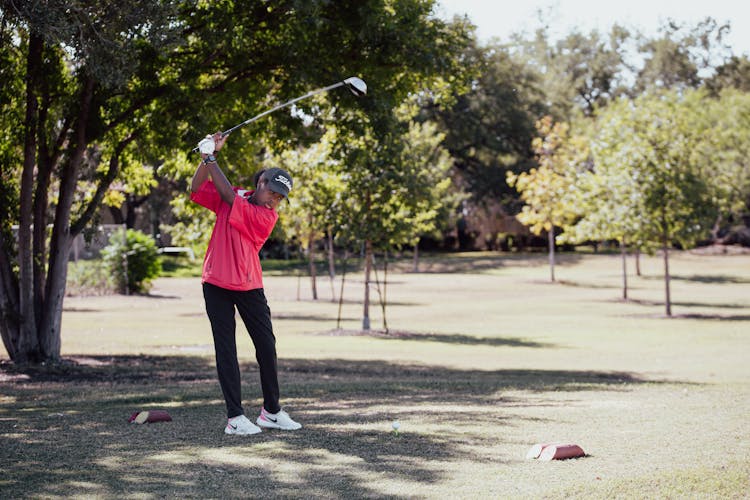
x: 678, y: 57
x: 650, y: 184
x: 489, y: 127
x: 580, y: 72
x: 80, y: 63
x: 108, y: 89
x: 724, y: 152
x: 733, y: 74
x: 548, y: 191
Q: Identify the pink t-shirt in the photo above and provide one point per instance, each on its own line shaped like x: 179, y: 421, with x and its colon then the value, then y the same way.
x: 240, y: 231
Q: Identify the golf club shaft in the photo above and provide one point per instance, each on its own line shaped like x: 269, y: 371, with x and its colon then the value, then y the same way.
x: 288, y: 103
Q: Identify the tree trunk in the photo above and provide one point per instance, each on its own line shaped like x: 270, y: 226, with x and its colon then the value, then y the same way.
x: 668, y: 298
x: 715, y: 230
x: 637, y: 261
x: 27, y: 345
x: 368, y: 269
x: 341, y: 292
x: 9, y: 324
x: 331, y: 264
x: 130, y: 213
x: 62, y: 237
x: 624, y: 253
x: 551, y: 242
x: 415, y: 268
x: 384, y: 301
x: 48, y: 155
x: 311, y: 258
x: 381, y: 293
x: 117, y: 217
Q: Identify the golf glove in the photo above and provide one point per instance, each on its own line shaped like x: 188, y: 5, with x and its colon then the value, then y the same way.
x: 207, y: 145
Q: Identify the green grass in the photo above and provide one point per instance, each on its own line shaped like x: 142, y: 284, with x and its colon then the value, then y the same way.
x: 483, y: 359
x: 181, y: 266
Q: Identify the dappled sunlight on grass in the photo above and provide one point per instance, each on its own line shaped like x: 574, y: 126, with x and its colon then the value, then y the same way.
x: 479, y: 363
x: 444, y: 415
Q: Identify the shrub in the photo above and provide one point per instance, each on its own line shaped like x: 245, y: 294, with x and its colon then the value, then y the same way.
x: 89, y: 277
x: 133, y: 260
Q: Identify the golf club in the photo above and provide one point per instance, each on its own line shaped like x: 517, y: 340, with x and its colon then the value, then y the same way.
x: 357, y: 86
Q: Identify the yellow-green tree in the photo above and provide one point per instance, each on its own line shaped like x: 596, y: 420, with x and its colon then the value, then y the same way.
x: 547, y: 190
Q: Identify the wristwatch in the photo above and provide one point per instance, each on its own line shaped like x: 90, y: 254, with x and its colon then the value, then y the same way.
x: 209, y: 159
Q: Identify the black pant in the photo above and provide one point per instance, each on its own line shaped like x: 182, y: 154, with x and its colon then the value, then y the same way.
x: 255, y: 313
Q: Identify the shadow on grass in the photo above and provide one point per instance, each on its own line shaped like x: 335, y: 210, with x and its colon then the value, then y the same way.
x: 63, y: 429
x: 456, y: 338
x: 307, y: 317
x: 698, y: 278
x: 642, y: 302
x: 350, y: 301
x: 81, y: 309
x: 370, y: 376
x: 714, y: 317
x: 469, y: 263
x: 722, y: 317
x: 581, y: 284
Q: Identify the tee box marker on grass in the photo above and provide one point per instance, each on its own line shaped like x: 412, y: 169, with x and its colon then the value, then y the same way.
x: 547, y: 452
x: 153, y: 416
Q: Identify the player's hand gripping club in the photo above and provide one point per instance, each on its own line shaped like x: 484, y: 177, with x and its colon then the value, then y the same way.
x: 212, y: 144
x: 208, y: 146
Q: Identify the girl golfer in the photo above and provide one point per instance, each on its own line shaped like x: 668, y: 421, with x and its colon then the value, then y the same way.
x: 232, y: 280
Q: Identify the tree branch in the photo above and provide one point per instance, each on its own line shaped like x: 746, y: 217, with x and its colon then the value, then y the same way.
x: 135, y: 106
x: 114, y: 168
x: 56, y: 150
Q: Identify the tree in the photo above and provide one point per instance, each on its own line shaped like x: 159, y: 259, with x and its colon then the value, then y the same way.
x: 319, y: 198
x: 548, y: 189
x: 609, y: 197
x: 733, y: 74
x: 724, y: 153
x: 426, y: 195
x: 655, y: 141
x: 395, y: 178
x: 159, y: 74
x: 73, y: 55
x: 488, y: 131
x: 579, y: 72
x: 677, y: 57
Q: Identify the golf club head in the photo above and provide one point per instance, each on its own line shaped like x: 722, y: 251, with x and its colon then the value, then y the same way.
x: 356, y: 85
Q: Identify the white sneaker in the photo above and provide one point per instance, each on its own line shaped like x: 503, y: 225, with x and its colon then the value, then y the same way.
x: 280, y: 420
x: 240, y: 425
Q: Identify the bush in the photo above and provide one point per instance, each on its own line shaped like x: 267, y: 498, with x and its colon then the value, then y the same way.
x: 89, y: 277
x: 133, y: 260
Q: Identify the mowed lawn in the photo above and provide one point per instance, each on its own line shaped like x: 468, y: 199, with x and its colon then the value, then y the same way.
x: 484, y: 358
